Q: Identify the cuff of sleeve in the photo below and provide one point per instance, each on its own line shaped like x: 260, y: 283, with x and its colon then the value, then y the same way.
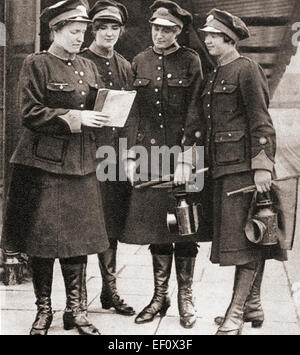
x: 73, y: 120
x: 262, y: 162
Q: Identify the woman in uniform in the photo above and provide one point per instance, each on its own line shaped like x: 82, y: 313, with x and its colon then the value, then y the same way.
x: 53, y: 209
x: 166, y: 78
x: 240, y: 144
x: 109, y: 18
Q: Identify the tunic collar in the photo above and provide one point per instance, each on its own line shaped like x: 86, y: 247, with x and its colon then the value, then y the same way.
x: 59, y: 52
x: 96, y: 50
x: 172, y: 49
x: 228, y: 57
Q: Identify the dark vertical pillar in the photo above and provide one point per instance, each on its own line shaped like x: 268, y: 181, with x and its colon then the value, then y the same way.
x: 21, y: 27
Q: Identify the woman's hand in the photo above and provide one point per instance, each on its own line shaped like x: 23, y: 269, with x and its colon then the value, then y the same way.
x: 263, y: 180
x: 182, y: 174
x: 94, y: 119
x: 130, y: 169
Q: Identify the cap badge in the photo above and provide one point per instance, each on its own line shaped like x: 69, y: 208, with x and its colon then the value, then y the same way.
x: 210, y: 18
x: 162, y: 11
x: 113, y: 9
x: 82, y: 9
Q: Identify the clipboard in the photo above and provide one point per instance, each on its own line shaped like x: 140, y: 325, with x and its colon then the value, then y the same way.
x: 116, y: 104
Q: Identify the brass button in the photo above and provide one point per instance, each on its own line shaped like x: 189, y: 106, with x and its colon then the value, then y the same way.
x: 76, y: 72
x: 223, y: 82
x: 208, y: 105
x: 107, y: 63
x: 224, y: 88
x: 113, y: 129
x: 198, y: 134
x: 208, y: 93
x: 180, y: 82
x: 158, y: 68
x: 263, y: 140
x: 111, y: 84
x: 81, y: 73
x: 156, y: 90
x: 82, y: 93
x: 82, y: 106
x: 109, y: 73
x: 96, y: 85
x: 169, y: 76
x: 153, y: 141
x: 158, y: 78
x: 160, y: 58
x: 80, y: 82
x: 61, y: 87
x: 157, y: 102
x: 69, y: 64
x: 161, y: 126
x: 160, y: 114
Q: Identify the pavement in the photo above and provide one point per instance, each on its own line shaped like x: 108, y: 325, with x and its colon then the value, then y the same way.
x: 212, y: 290
x: 212, y: 284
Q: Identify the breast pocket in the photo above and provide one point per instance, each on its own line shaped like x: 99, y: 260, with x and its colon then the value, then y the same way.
x: 141, y: 83
x: 60, y: 94
x: 226, y: 97
x: 230, y: 147
x: 177, y: 89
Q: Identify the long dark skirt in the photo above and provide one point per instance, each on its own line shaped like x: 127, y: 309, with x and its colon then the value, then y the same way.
x: 147, y: 219
x: 229, y: 215
x: 53, y: 216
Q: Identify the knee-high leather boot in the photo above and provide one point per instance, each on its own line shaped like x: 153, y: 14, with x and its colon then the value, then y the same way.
x: 109, y: 295
x: 73, y: 316
x: 185, y: 272
x: 253, y: 312
x: 42, y: 276
x: 234, y: 318
x: 160, y: 302
x: 84, y: 298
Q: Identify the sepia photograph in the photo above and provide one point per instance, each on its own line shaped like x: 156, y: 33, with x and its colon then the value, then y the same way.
x: 150, y: 170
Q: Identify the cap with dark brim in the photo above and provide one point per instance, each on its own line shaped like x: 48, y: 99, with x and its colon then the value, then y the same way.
x: 68, y: 10
x: 169, y: 13
x: 215, y: 26
x: 220, y: 21
x: 109, y: 10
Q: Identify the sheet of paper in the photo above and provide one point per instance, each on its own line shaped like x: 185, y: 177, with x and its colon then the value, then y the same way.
x: 116, y: 104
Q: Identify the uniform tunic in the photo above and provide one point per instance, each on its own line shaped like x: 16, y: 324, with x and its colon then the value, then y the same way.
x: 116, y: 73
x: 53, y: 207
x: 239, y: 138
x: 166, y: 85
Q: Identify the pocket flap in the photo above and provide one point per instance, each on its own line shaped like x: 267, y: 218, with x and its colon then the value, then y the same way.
x: 180, y: 82
x: 225, y: 89
x: 60, y: 87
x: 224, y: 137
x: 141, y: 82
